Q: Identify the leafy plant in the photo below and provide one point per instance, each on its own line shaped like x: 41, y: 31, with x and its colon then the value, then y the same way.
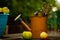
x: 28, y: 7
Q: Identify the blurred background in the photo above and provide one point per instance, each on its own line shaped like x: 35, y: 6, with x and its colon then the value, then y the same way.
x: 27, y: 9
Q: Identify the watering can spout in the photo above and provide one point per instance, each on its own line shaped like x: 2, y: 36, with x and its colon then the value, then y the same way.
x: 26, y: 25
x: 22, y: 22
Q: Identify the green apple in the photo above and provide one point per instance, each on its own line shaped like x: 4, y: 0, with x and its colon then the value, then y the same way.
x: 27, y: 35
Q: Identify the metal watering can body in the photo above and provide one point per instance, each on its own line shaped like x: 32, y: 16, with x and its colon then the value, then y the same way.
x: 3, y: 22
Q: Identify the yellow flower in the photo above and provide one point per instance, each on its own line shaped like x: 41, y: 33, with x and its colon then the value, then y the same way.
x: 1, y: 10
x: 6, y: 10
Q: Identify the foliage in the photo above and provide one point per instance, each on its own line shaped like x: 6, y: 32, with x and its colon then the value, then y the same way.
x: 28, y: 7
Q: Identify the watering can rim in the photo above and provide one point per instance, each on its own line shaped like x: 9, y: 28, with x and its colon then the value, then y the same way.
x: 4, y: 14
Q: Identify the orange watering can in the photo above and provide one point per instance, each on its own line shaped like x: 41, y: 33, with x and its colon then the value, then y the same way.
x: 38, y: 25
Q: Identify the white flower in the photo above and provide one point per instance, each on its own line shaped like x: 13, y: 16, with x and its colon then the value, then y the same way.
x: 54, y: 9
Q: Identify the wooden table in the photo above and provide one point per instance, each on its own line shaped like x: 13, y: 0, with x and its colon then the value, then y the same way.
x: 52, y: 36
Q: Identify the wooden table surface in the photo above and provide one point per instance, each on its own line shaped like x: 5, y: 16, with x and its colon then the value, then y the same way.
x: 19, y: 35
